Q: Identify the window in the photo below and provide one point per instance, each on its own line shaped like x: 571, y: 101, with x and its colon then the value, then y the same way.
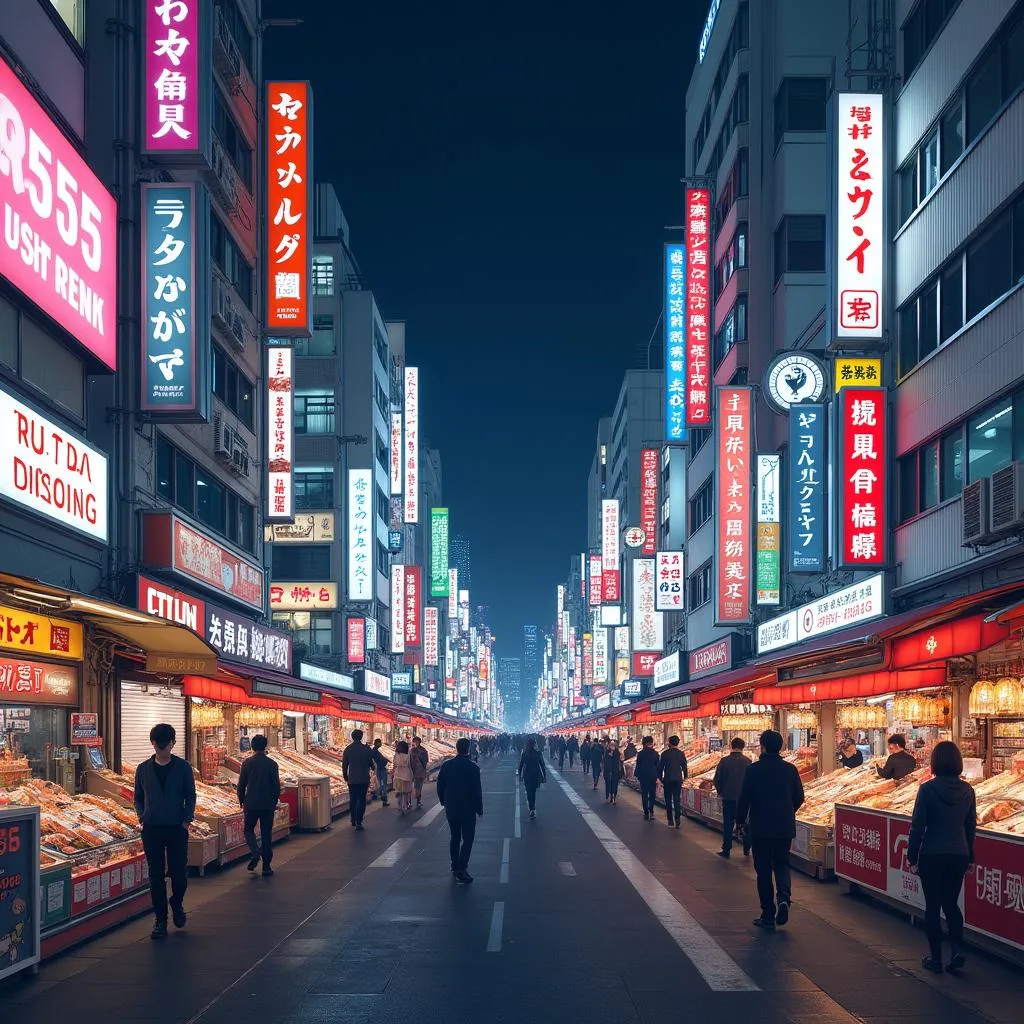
x: 735, y: 257
x: 907, y: 471
x: 702, y: 506
x: 989, y: 267
x: 800, y: 106
x: 238, y: 30
x: 925, y: 22
x: 928, y: 321
x: 383, y: 506
x: 951, y: 135
x: 736, y: 186
x: 314, y: 412
x: 229, y: 259
x: 699, y: 587
x: 928, y: 165
x: 380, y: 345
x: 323, y: 275
x: 233, y: 388
x: 382, y: 400
x: 383, y: 559
x: 210, y: 500
x: 240, y: 522
x: 733, y: 330
x: 301, y: 562
x: 232, y: 139
x: 800, y: 245
x: 56, y: 371
x: 314, y: 488
x: 322, y: 341
x: 383, y: 460
x: 951, y: 464
x: 951, y: 301
x: 699, y: 437
x: 983, y: 93
x: 738, y: 40
x: 72, y: 13
x: 929, y: 473
x: 314, y: 629
x: 990, y: 440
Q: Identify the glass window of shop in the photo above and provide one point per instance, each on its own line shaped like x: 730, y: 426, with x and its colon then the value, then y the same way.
x: 72, y: 13
x: 314, y: 629
x: 33, y: 733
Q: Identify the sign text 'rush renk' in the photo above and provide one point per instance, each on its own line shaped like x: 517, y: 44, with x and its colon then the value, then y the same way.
x: 280, y: 433
x: 674, y: 316
x: 734, y: 433
x: 59, y: 224
x: 174, y: 107
x: 609, y: 551
x: 289, y: 206
x: 411, y: 451
x: 698, y: 306
x: 649, y: 459
x: 860, y: 216
x: 864, y: 484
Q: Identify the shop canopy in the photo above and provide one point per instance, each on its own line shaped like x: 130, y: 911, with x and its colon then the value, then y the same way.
x: 235, y: 692
x: 867, y: 684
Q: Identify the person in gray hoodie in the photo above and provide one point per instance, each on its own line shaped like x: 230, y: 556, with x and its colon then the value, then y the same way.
x: 941, y: 851
x: 165, y: 801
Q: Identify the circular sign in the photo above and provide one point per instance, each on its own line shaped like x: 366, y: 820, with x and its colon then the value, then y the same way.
x: 635, y: 536
x: 794, y: 377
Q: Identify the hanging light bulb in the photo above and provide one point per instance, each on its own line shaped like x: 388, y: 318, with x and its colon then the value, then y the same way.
x: 1007, y: 696
x: 982, y: 702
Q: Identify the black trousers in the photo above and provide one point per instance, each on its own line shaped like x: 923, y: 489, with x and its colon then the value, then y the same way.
x: 647, y: 793
x: 264, y: 848
x: 561, y: 760
x: 729, y: 826
x: 166, y: 849
x: 463, y: 832
x: 771, y: 862
x: 674, y: 800
x: 357, y: 801
x: 572, y: 757
x: 595, y: 768
x: 531, y: 795
x: 611, y: 785
x: 942, y: 878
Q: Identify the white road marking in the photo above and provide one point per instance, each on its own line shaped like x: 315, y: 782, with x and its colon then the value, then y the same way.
x: 519, y: 827
x: 566, y: 868
x: 505, y: 852
x: 393, y: 854
x: 429, y: 817
x: 716, y: 967
x: 497, y: 921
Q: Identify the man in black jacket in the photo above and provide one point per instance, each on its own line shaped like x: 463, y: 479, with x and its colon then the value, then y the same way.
x: 460, y: 793
x: 357, y: 762
x: 900, y: 763
x: 165, y: 801
x: 772, y: 793
x: 672, y: 770
x: 646, y: 772
x: 259, y: 789
x: 729, y: 776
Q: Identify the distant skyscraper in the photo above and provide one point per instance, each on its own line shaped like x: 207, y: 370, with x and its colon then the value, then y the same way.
x: 459, y: 556
x: 510, y: 683
x: 531, y: 659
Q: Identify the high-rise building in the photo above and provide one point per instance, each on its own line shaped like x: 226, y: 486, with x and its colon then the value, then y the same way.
x: 598, y: 482
x: 533, y: 664
x: 461, y: 560
x: 510, y: 684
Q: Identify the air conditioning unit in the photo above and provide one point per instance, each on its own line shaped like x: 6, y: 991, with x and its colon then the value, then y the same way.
x: 226, y: 57
x: 223, y: 439
x: 1006, y: 499
x: 237, y: 330
x: 240, y: 462
x: 222, y: 179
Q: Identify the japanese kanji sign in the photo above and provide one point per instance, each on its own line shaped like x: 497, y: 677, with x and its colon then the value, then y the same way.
x: 238, y: 638
x: 860, y: 216
x: 303, y: 597
x: 24, y: 681
x: 594, y: 589
x: 994, y: 889
x: 356, y: 641
x: 807, y: 468
x: 863, y: 490
x: 413, y: 606
x: 609, y: 551
x: 396, y: 453
x: 699, y: 306
x: 649, y: 458
x: 734, y: 456
x: 397, y: 608
x: 439, y: 552
x: 648, y: 622
x: 453, y: 595
x: 600, y: 655
x: 675, y: 342
x: 170, y: 344
x: 857, y: 371
x: 174, y: 100
x: 769, y: 543
x: 411, y: 449
x: 431, y: 643
x: 280, y: 434
x: 289, y: 207
x: 361, y: 505
x: 671, y: 585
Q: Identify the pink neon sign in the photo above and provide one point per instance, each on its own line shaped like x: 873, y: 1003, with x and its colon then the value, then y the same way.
x: 172, y: 76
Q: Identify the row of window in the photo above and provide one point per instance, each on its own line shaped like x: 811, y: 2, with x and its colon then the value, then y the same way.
x: 737, y: 114
x: 314, y: 412
x: 739, y: 39
x: 189, y: 487
x: 733, y: 330
x: 935, y: 472
x: 314, y: 629
x: 228, y: 258
x: 990, y: 265
x: 305, y: 563
x: 699, y: 587
x: 322, y: 343
x: 922, y: 27
x: 323, y: 275
x: 800, y: 245
x: 735, y: 187
x: 233, y: 388
x: 702, y: 505
x: 801, y: 105
x: 231, y: 138
x: 734, y: 258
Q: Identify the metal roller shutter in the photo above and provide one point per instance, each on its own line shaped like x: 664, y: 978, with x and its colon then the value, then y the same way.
x: 141, y: 709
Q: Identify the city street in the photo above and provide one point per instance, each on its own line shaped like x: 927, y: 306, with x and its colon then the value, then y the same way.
x: 586, y: 911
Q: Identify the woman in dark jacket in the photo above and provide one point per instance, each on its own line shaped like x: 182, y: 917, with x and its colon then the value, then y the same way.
x: 941, y: 851
x: 533, y: 773
x: 612, y: 771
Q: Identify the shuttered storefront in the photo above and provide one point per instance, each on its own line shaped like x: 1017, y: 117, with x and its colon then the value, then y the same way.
x: 143, y: 706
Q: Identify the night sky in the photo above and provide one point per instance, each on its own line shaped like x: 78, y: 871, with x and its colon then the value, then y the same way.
x: 507, y: 170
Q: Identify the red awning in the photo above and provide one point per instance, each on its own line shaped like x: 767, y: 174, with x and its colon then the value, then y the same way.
x: 867, y: 684
x: 227, y: 692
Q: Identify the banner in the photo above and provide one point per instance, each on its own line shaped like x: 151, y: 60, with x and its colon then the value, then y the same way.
x: 609, y: 551
x: 648, y: 622
x: 396, y: 453
x: 411, y: 456
x: 600, y: 655
x: 649, y: 459
x: 361, y: 569
x: 699, y: 305
x: 397, y: 609
x: 439, y: 584
x: 595, y: 582
x: 671, y: 581
x: 413, y: 606
x: 431, y: 645
x: 863, y: 487
x: 674, y: 315
x: 356, y: 641
x: 453, y: 595
x: 733, y: 452
x: 769, y: 541
x: 807, y: 467
x: 175, y: 101
x: 280, y: 434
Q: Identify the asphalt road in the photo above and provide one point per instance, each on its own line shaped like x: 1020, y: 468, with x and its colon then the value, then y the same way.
x: 587, y: 913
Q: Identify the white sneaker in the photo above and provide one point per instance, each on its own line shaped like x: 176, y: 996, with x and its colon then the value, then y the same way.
x: 533, y: 814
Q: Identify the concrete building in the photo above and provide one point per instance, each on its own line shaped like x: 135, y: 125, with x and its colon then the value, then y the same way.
x: 598, y: 483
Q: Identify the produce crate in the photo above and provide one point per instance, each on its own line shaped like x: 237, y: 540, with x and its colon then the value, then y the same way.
x: 203, y: 852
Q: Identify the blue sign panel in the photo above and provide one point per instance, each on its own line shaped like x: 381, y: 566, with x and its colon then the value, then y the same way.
x: 675, y: 342
x: 171, y: 370
x: 401, y: 682
x: 395, y: 540
x: 807, y: 488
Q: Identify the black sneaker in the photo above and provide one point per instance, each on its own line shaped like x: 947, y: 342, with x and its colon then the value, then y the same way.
x: 253, y: 862
x: 782, y: 915
x: 359, y: 827
x: 463, y: 877
x: 933, y: 964
x: 159, y: 930
x: 724, y: 853
x: 677, y: 822
x: 764, y: 922
x: 267, y: 872
x: 956, y: 963
x: 178, y: 916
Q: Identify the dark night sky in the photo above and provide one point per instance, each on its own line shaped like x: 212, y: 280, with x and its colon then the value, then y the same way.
x: 507, y: 170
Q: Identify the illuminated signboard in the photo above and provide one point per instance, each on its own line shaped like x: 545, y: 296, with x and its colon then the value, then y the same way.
x: 649, y: 458
x: 396, y: 453
x: 413, y: 606
x: 674, y: 316
x: 807, y: 467
x: 397, y: 609
x: 647, y: 622
x: 609, y: 551
x: 361, y: 569
x: 303, y: 597
x: 769, y: 529
x: 698, y: 306
x: 863, y: 485
x: 431, y: 644
x: 356, y: 635
x: 671, y: 581
x: 411, y: 452
x: 439, y: 552
x: 733, y: 435
x: 280, y: 433
x: 594, y: 589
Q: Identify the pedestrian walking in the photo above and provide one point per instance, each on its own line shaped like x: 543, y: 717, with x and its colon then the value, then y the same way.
x: 771, y: 795
x: 533, y: 772
x: 380, y: 767
x: 612, y: 768
x: 258, y: 790
x: 630, y: 752
x: 941, y: 851
x: 357, y: 762
x: 646, y: 772
x: 561, y: 753
x: 596, y: 760
x: 585, y: 755
x: 405, y: 778
x: 460, y: 793
x: 420, y: 759
x: 165, y: 802
x: 572, y: 748
x: 672, y: 769
x: 728, y: 782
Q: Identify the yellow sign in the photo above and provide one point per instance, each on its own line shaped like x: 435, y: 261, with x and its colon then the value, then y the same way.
x: 858, y: 371
x: 303, y: 597
x: 308, y: 527
x: 29, y: 633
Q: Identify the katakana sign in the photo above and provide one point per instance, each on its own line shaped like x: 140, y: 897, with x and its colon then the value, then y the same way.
x: 807, y: 468
x: 174, y: 111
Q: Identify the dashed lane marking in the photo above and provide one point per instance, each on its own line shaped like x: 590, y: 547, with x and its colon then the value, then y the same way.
x: 505, y: 852
x: 518, y: 823
x: 393, y: 854
x: 429, y: 817
x: 497, y: 923
x: 566, y: 868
